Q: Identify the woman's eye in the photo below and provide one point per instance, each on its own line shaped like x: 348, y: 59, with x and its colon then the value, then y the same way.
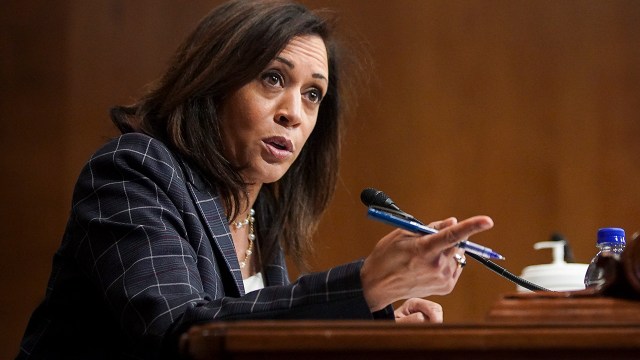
x: 314, y: 95
x: 272, y: 78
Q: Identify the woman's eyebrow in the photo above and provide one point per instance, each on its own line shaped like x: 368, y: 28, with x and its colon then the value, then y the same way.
x: 320, y: 76
x: 285, y: 61
x: 291, y: 65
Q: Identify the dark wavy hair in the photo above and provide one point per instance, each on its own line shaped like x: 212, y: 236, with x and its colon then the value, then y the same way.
x: 228, y: 49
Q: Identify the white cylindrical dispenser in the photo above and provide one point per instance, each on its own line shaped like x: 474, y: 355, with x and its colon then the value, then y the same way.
x: 558, y: 275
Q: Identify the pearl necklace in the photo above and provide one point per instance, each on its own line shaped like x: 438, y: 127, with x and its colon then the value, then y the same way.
x: 252, y: 236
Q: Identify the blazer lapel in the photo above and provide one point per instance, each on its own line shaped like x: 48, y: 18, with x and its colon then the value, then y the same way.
x: 276, y: 273
x: 212, y: 212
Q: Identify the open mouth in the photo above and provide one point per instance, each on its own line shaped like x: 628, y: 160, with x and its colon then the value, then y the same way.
x: 279, y: 143
x: 278, y: 146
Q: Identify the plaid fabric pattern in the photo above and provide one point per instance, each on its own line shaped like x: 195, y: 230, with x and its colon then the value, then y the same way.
x: 147, y: 253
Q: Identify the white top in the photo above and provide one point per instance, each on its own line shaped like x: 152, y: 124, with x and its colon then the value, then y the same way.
x: 254, y: 282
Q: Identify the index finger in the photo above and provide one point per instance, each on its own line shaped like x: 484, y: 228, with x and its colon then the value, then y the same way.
x: 450, y: 236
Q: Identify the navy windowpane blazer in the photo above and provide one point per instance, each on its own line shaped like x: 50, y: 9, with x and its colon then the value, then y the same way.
x: 147, y: 252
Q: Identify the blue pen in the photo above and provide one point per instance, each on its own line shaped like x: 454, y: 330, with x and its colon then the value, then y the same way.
x: 397, y: 221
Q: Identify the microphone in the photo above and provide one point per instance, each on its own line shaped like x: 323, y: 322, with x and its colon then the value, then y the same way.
x: 373, y: 197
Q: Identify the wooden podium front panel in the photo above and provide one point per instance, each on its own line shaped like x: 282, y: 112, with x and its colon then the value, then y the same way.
x: 387, y: 340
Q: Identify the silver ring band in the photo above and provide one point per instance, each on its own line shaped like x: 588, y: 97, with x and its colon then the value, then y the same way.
x: 460, y: 259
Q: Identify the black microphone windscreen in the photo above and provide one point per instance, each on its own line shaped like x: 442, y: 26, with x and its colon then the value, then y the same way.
x: 368, y: 195
x: 371, y: 196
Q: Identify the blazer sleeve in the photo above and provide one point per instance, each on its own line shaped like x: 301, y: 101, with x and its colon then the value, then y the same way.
x: 130, y: 235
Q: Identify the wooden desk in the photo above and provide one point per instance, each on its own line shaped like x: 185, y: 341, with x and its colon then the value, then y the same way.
x: 564, y: 308
x: 387, y: 340
x: 589, y: 324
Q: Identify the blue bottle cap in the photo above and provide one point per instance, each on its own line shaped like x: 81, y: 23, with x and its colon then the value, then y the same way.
x: 611, y: 235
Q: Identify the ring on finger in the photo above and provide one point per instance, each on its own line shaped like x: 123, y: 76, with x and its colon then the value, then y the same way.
x: 460, y: 259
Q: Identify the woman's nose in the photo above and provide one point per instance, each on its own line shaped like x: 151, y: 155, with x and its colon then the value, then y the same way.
x: 289, y: 113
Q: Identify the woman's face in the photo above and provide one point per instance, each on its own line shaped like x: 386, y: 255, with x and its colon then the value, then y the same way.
x: 266, y: 122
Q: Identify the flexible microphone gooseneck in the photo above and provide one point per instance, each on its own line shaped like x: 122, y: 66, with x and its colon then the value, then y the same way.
x: 371, y: 196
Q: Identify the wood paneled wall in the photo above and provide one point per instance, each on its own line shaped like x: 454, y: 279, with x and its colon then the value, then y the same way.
x: 526, y: 111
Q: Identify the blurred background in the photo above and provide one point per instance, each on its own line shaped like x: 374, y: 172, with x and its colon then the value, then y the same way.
x: 527, y: 111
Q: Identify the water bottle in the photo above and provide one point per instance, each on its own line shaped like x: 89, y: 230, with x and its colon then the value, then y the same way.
x: 610, y: 244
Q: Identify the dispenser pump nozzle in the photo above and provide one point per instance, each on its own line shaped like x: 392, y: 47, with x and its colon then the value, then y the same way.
x: 557, y: 248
